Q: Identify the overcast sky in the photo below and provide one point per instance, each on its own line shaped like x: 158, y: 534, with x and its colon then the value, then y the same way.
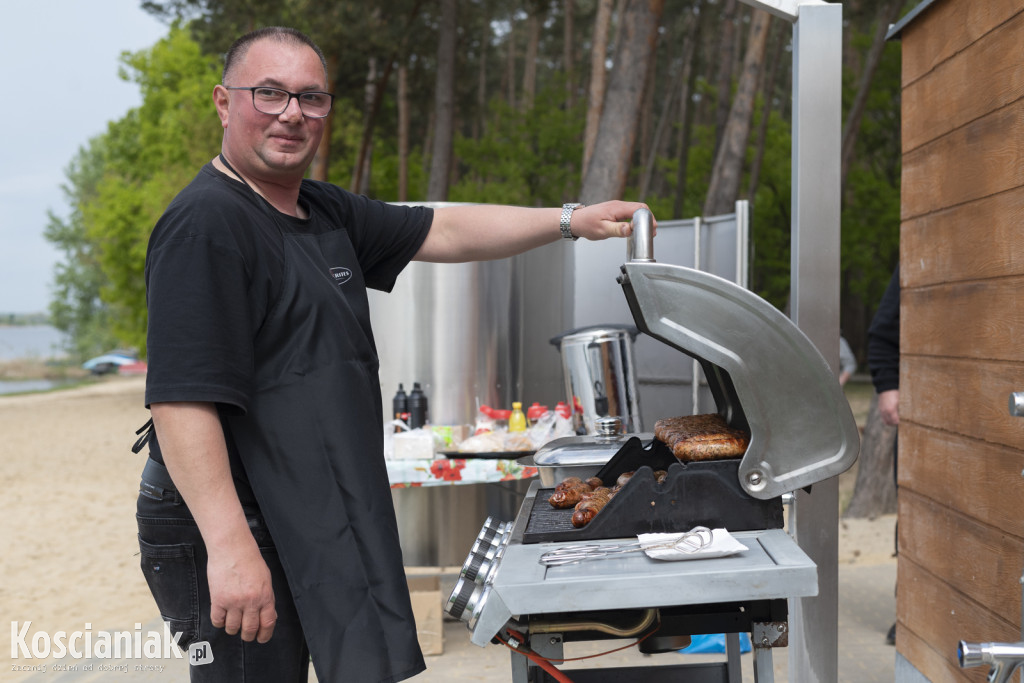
x: 58, y: 70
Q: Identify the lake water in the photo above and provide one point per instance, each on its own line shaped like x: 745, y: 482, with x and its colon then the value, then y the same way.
x: 36, y: 342
x: 40, y: 342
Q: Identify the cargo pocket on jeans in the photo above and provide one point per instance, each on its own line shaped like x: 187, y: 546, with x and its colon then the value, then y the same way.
x: 170, y: 571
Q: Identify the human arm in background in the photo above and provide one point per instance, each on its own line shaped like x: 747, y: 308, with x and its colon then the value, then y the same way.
x: 482, y: 232
x: 195, y: 454
x: 847, y: 361
x: 884, y: 351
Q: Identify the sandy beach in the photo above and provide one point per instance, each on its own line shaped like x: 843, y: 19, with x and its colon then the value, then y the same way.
x: 69, y: 486
x: 70, y: 560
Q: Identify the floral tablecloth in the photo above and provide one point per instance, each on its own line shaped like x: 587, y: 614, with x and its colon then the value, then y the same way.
x: 447, y: 471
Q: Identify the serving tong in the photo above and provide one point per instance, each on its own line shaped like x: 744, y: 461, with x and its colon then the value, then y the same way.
x: 692, y: 541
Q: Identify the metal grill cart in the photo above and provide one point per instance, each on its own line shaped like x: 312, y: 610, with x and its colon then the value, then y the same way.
x: 768, y: 379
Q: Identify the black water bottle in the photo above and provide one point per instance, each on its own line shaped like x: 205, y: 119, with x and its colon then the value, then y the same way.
x: 417, y: 407
x: 400, y: 405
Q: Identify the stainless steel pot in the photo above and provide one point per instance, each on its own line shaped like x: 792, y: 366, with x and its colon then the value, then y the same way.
x: 600, y: 375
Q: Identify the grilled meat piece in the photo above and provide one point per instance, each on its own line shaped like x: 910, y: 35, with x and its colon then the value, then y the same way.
x: 701, y: 437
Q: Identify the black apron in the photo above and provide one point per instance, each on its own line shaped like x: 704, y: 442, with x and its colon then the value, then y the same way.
x: 312, y: 447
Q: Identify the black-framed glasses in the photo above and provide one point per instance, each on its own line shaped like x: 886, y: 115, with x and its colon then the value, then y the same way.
x: 274, y: 101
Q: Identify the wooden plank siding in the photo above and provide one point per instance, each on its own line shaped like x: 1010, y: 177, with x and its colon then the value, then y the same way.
x: 939, y: 249
x: 962, y: 396
x: 947, y: 29
x: 976, y: 560
x: 961, y: 454
x: 933, y: 619
x: 977, y: 319
x: 958, y: 472
x: 989, y: 82
x: 983, y: 158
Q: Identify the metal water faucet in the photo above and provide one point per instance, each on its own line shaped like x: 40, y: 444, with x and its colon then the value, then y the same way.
x: 1004, y: 658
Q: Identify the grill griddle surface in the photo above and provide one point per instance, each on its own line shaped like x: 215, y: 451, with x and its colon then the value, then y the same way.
x: 705, y: 493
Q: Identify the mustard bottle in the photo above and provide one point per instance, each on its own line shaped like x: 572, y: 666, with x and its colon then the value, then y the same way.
x: 517, y: 421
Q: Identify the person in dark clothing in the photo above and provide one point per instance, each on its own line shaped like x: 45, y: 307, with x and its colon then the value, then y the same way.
x: 884, y: 362
x: 266, y: 526
x: 884, y: 351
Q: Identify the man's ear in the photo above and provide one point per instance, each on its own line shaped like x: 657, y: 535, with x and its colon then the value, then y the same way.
x: 221, y: 100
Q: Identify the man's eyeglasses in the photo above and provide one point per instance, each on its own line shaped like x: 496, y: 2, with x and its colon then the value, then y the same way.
x: 273, y: 101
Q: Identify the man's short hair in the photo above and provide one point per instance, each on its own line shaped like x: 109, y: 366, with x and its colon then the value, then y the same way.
x: 282, y: 34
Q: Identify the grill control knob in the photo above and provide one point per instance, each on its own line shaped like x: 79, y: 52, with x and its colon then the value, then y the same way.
x: 471, y: 569
x: 463, y: 600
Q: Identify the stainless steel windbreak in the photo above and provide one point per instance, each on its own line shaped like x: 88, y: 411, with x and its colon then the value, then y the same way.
x: 765, y: 374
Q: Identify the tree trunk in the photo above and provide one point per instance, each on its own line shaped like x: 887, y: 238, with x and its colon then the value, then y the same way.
x: 533, y: 23
x: 723, y: 76
x: 568, y: 54
x: 510, y: 65
x: 444, y: 105
x: 605, y: 176
x: 724, y: 188
x: 887, y: 13
x: 767, y: 92
x: 322, y: 161
x: 686, y: 114
x: 874, y: 490
x: 598, y: 77
x: 374, y: 94
x: 403, y: 133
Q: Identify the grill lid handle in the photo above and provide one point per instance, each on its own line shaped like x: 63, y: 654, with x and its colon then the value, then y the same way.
x: 640, y: 244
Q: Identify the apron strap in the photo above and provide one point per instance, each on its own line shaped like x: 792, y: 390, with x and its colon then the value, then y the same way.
x: 149, y: 430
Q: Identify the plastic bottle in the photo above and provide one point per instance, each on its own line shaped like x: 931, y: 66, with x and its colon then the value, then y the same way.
x: 517, y: 420
x: 561, y: 408
x: 400, y: 405
x: 417, y: 407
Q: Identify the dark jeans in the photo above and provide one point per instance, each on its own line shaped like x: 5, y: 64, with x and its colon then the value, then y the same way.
x: 174, y: 564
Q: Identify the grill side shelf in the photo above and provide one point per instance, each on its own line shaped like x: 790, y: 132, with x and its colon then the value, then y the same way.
x: 693, y: 494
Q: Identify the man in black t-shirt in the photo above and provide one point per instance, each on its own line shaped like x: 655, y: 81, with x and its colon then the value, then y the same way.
x: 265, y: 517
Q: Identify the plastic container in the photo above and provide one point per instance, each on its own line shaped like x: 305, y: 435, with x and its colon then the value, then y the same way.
x: 400, y: 405
x: 517, y: 420
x: 417, y: 407
x: 535, y: 412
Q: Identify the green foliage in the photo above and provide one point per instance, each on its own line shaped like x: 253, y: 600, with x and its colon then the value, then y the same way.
x: 76, y: 307
x: 121, y: 183
x: 529, y: 158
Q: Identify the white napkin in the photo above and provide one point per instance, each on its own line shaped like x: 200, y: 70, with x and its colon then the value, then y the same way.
x: 660, y: 546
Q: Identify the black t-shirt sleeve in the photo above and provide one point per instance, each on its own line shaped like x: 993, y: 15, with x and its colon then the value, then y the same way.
x: 199, y: 343
x: 385, y: 236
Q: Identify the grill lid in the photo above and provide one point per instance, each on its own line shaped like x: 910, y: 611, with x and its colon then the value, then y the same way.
x: 765, y: 374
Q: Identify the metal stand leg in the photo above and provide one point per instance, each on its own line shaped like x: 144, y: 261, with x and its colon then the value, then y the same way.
x: 732, y: 657
x: 764, y: 671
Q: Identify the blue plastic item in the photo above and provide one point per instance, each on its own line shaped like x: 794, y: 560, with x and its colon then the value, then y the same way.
x: 713, y: 643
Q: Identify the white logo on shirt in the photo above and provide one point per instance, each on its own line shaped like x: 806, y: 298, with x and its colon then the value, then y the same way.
x: 341, y: 275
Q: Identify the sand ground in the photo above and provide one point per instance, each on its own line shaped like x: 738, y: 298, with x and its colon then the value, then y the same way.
x: 69, y: 482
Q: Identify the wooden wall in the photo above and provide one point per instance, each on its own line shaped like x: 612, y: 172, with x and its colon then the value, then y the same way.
x: 961, y: 496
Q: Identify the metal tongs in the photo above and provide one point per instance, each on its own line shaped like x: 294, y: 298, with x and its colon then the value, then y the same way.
x: 692, y: 541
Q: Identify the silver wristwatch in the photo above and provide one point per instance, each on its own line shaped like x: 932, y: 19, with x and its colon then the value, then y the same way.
x: 563, y: 223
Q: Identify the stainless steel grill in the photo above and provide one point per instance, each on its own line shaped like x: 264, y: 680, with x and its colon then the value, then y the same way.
x: 768, y: 379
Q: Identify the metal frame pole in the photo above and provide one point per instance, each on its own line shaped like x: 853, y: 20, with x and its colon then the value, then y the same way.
x: 814, y: 266
x: 817, y: 97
